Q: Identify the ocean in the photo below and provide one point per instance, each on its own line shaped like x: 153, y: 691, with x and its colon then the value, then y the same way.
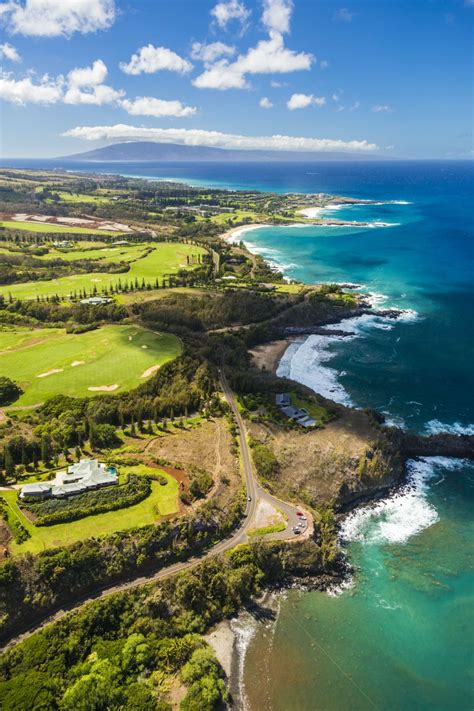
x: 400, y: 635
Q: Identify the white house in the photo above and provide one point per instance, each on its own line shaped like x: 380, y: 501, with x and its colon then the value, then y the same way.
x: 88, y: 474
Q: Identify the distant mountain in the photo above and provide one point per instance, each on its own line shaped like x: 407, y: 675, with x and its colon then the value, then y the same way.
x: 150, y: 151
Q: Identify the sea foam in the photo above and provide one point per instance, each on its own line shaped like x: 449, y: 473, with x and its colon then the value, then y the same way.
x: 407, y: 512
x: 437, y: 427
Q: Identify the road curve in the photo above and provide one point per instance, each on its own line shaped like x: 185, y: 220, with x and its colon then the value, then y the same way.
x: 255, y: 493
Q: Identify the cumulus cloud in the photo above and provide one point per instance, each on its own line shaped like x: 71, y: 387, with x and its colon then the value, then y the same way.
x: 221, y: 75
x: 86, y: 86
x: 152, y: 59
x: 277, y: 14
x: 7, y: 51
x: 211, y: 52
x: 265, y: 103
x: 198, y: 137
x: 149, y: 106
x: 26, y: 91
x: 324, y: 64
x: 381, y: 108
x: 225, y: 12
x: 302, y: 101
x: 51, y: 18
x: 268, y: 57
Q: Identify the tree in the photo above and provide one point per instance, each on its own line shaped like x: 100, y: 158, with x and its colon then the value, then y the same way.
x: 103, y: 437
x: 97, y: 690
x: 8, y: 463
x: 9, y: 391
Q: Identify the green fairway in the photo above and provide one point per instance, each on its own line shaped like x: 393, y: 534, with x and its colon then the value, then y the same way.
x: 45, y: 362
x: 80, y: 197
x: 48, y: 227
x: 121, y: 253
x: 162, y: 501
x: 166, y: 258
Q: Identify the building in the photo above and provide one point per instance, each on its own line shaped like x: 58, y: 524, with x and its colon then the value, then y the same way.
x: 297, y: 414
x: 87, y: 475
x: 96, y: 301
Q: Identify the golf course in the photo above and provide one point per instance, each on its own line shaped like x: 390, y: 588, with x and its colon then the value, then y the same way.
x: 45, y: 362
x: 164, y: 259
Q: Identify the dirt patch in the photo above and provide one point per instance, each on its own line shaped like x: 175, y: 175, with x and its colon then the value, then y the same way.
x: 50, y: 372
x: 103, y: 388
x: 267, y: 515
x: 321, y: 461
x: 149, y: 371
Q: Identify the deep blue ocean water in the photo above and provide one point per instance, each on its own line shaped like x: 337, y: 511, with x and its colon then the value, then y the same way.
x: 402, y: 636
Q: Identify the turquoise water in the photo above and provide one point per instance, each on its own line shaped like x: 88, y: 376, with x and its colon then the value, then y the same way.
x: 401, y: 638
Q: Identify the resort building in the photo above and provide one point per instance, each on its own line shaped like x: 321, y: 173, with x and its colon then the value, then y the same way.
x: 96, y: 301
x: 297, y: 414
x: 88, y: 474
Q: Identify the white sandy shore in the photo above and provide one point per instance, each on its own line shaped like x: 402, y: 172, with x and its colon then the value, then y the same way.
x: 235, y: 234
x: 222, y: 640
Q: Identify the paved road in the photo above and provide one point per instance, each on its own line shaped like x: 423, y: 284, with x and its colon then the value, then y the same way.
x: 255, y: 494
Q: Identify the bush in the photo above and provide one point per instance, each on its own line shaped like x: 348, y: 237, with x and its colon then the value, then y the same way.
x: 9, y: 391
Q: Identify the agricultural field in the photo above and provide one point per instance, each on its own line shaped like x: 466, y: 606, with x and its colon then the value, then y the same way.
x: 51, y: 227
x: 45, y: 362
x: 162, y: 501
x: 166, y: 258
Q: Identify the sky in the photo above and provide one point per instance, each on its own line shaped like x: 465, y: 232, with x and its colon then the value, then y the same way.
x: 383, y: 77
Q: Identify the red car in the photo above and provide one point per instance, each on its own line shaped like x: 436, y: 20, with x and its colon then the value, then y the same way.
x: 298, y: 513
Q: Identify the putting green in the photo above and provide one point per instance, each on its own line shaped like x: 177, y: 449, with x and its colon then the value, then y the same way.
x: 166, y: 258
x: 46, y: 362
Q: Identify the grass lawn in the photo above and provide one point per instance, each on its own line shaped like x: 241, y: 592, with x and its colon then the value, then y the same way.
x: 317, y: 412
x: 166, y: 258
x: 80, y: 197
x: 111, y: 355
x: 162, y: 501
x: 45, y: 227
x: 106, y: 254
x: 137, y: 297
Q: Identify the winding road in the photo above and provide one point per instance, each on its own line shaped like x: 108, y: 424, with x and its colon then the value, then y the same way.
x: 255, y: 495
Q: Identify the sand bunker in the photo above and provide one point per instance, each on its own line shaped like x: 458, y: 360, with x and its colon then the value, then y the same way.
x: 150, y: 370
x: 103, y: 388
x: 76, y: 362
x: 144, y: 346
x: 50, y: 372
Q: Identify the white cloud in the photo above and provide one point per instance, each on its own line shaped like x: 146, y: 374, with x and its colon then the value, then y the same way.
x: 277, y: 14
x: 268, y: 57
x: 302, y: 101
x: 221, y: 75
x: 344, y: 15
x: 211, y: 52
x: 324, y: 64
x: 9, y: 52
x: 86, y: 86
x: 152, y: 59
x: 25, y: 91
x: 225, y: 12
x: 277, y: 84
x: 51, y: 18
x: 381, y: 108
x: 149, y: 106
x: 335, y: 97
x: 95, y: 95
x: 197, y: 137
x: 265, y: 103
x: 88, y: 76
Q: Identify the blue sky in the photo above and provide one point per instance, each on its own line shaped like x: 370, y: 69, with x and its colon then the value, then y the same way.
x: 380, y: 76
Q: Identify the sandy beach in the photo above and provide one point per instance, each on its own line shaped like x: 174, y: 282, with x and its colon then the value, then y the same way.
x: 234, y: 234
x: 268, y: 355
x: 222, y: 640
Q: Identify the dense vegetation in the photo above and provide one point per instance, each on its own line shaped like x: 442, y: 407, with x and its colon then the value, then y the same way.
x: 128, y: 651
